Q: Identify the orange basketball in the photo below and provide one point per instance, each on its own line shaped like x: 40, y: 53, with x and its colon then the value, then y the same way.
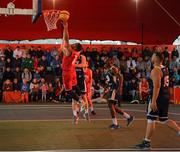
x: 64, y: 15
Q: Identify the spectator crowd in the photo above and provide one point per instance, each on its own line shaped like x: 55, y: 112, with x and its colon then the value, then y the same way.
x: 36, y: 72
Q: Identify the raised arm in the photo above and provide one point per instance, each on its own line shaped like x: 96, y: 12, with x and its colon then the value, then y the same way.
x: 66, y: 48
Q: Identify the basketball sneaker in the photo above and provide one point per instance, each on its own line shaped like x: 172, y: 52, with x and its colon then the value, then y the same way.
x: 75, y: 120
x: 87, y: 117
x: 145, y: 145
x: 93, y: 113
x: 113, y: 127
x: 130, y: 120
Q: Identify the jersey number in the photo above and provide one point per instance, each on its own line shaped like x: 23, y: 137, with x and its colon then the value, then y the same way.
x: 166, y: 81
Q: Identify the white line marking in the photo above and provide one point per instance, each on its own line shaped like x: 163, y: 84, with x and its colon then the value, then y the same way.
x: 67, y: 120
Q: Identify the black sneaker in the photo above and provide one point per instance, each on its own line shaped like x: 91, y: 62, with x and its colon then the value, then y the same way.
x: 113, y: 127
x: 93, y: 113
x: 145, y: 145
x: 130, y: 120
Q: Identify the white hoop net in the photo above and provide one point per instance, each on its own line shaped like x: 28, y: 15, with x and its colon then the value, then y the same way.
x: 51, y: 17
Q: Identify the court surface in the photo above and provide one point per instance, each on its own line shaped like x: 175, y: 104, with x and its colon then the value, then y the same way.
x: 39, y: 127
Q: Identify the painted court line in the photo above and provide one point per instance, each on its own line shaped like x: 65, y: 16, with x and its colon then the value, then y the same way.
x: 68, y: 107
x: 66, y: 120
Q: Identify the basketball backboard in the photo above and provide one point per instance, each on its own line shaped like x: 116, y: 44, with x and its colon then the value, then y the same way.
x: 37, y: 7
x: 35, y: 11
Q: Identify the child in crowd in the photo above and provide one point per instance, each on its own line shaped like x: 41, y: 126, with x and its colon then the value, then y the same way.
x: 34, y: 89
x: 25, y: 91
x: 50, y: 92
x: 7, y: 86
x: 44, y: 89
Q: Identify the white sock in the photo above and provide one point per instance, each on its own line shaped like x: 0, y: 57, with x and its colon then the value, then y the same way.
x: 74, y: 112
x: 92, y: 109
x: 147, y: 139
x: 86, y: 111
x: 115, y: 121
x: 125, y: 115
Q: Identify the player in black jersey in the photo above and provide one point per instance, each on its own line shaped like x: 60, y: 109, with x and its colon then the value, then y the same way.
x: 114, y: 85
x: 159, y: 103
x: 81, y: 63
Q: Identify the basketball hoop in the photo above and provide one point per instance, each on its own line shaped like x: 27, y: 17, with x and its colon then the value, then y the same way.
x: 51, y: 18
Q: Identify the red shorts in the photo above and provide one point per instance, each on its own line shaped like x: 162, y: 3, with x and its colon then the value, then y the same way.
x: 69, y: 80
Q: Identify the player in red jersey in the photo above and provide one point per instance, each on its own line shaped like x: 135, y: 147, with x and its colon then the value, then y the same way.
x: 70, y: 56
x: 88, y: 80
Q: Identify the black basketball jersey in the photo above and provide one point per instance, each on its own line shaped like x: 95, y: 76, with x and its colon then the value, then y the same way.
x: 164, y: 89
x: 80, y: 71
x: 111, y: 79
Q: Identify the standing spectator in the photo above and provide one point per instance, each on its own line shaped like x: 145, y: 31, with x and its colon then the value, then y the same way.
x: 36, y: 63
x: 133, y: 86
x: 28, y: 63
x: 27, y: 75
x: 17, y: 52
x: 146, y: 53
x: 25, y: 91
x: 166, y: 53
x: 175, y: 53
x: 54, y: 52
x: 37, y: 76
x: 39, y: 52
x: 135, y: 54
x: 18, y: 74
x: 16, y: 85
x: 9, y: 63
x: 140, y: 65
x: 8, y: 52
x: 147, y: 65
x: 43, y: 66
x: 2, y: 64
x: 56, y: 64
x: 8, y: 74
x: 32, y: 51
x: 1, y: 53
x: 174, y: 63
x: 34, y: 90
x: 123, y: 64
x: 16, y: 62
x: 176, y: 76
x: 48, y: 56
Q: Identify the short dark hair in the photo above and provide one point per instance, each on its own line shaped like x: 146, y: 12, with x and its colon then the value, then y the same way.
x: 160, y: 56
x: 78, y: 47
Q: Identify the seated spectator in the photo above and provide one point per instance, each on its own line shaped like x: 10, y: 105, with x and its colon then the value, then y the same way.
x: 140, y: 65
x: 27, y: 75
x: 143, y: 89
x: 166, y: 53
x: 34, y: 90
x: 44, y: 89
x: 25, y: 91
x: 16, y: 85
x: 131, y: 64
x: 146, y: 53
x: 50, y: 92
x: 133, y: 87
x: 7, y: 86
x: 8, y: 75
x: 18, y: 74
x: 32, y: 51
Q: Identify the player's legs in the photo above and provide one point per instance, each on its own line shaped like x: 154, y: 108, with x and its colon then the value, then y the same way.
x: 90, y: 103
